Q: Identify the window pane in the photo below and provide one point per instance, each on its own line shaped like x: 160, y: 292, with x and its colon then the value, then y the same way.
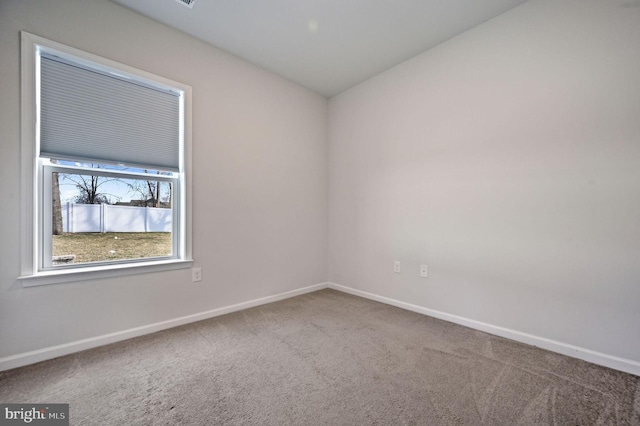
x: 106, y: 218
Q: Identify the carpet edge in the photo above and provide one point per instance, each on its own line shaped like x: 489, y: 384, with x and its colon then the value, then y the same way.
x: 599, y: 358
x: 32, y: 357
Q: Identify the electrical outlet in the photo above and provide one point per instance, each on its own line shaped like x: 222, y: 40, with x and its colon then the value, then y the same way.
x: 396, y: 267
x: 196, y: 274
x: 424, y: 271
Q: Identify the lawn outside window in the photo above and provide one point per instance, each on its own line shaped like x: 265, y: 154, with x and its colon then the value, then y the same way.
x: 105, y: 170
x: 96, y: 200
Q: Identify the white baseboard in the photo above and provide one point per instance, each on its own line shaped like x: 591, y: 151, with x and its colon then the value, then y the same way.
x: 32, y: 357
x: 26, y: 358
x: 617, y: 363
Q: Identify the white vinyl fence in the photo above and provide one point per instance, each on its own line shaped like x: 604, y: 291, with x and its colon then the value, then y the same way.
x: 108, y: 218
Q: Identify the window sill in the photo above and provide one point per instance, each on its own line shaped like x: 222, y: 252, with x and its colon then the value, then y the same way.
x: 96, y: 272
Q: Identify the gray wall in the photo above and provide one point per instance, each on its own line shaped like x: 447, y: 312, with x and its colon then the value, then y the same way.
x: 508, y: 160
x: 259, y: 180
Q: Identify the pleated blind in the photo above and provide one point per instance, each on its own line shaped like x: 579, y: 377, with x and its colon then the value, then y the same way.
x: 89, y: 115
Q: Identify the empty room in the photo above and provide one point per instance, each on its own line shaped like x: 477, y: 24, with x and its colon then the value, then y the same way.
x: 320, y: 212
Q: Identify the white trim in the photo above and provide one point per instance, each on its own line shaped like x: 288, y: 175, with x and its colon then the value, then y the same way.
x: 617, y: 363
x: 107, y: 65
x: 28, y: 135
x: 32, y: 233
x: 88, y: 273
x: 611, y: 361
x: 51, y: 352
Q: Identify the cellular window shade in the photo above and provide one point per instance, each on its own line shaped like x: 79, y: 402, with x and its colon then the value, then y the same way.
x: 89, y: 115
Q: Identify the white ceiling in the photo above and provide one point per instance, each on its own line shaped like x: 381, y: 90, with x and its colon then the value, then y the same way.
x: 325, y: 45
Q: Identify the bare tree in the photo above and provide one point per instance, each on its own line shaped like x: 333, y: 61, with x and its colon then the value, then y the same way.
x: 154, y: 192
x: 89, y: 187
x: 57, y: 228
x: 169, y: 197
x: 151, y: 192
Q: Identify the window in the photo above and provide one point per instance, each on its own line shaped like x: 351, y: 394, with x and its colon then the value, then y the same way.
x: 105, y: 169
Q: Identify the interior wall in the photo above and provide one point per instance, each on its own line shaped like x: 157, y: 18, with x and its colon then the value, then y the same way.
x: 259, y: 180
x: 508, y: 160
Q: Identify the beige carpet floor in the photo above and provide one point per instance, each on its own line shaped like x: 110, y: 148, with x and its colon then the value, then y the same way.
x: 326, y: 358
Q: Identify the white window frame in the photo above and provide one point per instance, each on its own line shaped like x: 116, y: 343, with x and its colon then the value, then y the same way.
x: 35, y: 227
x: 45, y: 262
